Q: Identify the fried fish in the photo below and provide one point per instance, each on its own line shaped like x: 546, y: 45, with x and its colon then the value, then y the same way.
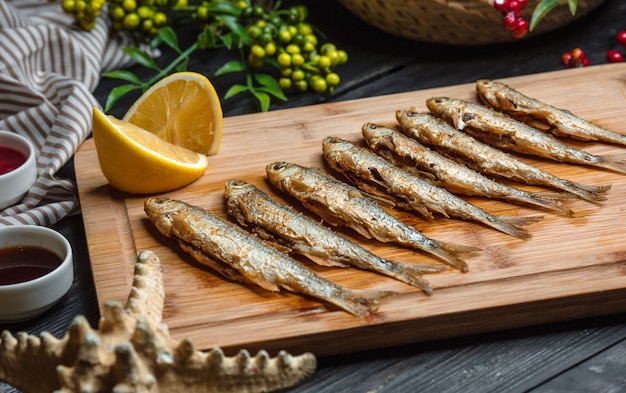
x: 284, y: 225
x: 559, y: 122
x: 377, y: 176
x: 341, y: 204
x: 209, y: 237
x: 504, y: 132
x: 449, y: 174
x: 447, y: 140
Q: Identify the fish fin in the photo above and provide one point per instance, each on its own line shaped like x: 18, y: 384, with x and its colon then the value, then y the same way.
x: 588, y: 192
x: 552, y: 201
x: 323, y: 261
x: 513, y: 225
x: 411, y: 273
x: 362, y: 303
x: 616, y: 162
x: 215, y: 265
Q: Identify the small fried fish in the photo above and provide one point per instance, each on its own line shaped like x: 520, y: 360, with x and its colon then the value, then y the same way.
x: 540, y: 115
x: 481, y: 157
x: 284, y: 225
x: 341, y: 204
x: 377, y: 176
x: 504, y: 132
x: 457, y: 178
x: 210, y: 237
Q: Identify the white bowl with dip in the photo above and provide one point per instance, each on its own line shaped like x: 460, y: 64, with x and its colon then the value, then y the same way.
x: 18, y: 168
x: 36, y: 271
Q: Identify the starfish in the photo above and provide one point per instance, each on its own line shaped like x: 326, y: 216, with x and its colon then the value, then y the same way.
x: 132, y: 351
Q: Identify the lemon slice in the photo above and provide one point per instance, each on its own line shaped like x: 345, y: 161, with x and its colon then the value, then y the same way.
x: 182, y: 108
x: 137, y: 161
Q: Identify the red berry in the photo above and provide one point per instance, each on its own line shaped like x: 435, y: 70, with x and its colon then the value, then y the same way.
x: 501, y: 5
x: 510, y: 21
x: 566, y: 59
x: 578, y: 54
x: 585, y: 62
x: 614, y: 56
x: 514, y: 5
x: 522, y: 3
x: 521, y: 29
x: 621, y: 38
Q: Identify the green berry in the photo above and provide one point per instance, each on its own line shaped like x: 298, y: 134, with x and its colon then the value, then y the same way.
x: 318, y: 84
x: 131, y: 21
x: 324, y: 62
x: 297, y: 75
x: 292, y: 48
x: 270, y: 49
x: 284, y: 36
x: 285, y: 83
x: 258, y: 51
x: 301, y: 86
x: 284, y: 59
x: 297, y: 59
x: 332, y: 79
x: 129, y: 5
x: 160, y: 19
x: 117, y: 13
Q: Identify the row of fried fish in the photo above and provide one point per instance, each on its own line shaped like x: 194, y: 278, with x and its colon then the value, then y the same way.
x: 399, y: 169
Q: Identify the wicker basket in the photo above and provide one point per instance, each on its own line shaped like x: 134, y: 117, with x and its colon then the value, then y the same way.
x: 457, y: 22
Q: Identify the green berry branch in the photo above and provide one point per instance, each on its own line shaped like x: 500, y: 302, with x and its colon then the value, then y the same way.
x: 279, y: 50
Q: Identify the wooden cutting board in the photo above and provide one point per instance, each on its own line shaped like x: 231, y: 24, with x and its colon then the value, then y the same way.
x: 573, y: 266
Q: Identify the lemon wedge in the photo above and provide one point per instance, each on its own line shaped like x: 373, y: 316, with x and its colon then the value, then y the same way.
x: 137, y: 161
x: 182, y: 108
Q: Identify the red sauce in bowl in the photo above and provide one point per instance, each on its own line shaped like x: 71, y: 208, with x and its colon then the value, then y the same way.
x: 10, y: 159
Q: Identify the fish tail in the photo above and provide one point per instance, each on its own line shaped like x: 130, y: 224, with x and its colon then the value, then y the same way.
x: 514, y: 225
x: 588, y: 192
x: 361, y: 303
x: 553, y: 201
x: 450, y: 254
x: 615, y: 162
x: 411, y: 273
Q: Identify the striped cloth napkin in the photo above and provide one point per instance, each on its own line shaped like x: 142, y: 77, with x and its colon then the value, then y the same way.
x: 48, y: 71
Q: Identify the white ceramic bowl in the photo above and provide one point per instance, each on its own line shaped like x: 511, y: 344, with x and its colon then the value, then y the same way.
x: 25, y: 300
x: 16, y: 183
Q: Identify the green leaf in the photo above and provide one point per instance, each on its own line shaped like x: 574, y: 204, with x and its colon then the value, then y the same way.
x: 168, y: 35
x: 264, y: 100
x: 270, y: 85
x: 224, y: 7
x: 541, y: 10
x: 124, y: 75
x: 233, y: 24
x: 141, y: 57
x: 231, y: 66
x: 234, y: 90
x: 274, y: 92
x: 227, y: 40
x: 116, y: 93
x: 206, y: 39
x: 573, y: 4
x: 183, y: 65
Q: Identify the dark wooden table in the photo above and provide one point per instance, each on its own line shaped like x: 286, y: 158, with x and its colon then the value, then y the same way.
x: 575, y: 356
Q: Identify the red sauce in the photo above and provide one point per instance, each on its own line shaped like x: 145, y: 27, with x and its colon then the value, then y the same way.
x: 10, y: 159
x: 24, y: 263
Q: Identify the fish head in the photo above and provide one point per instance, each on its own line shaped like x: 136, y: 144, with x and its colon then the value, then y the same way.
x: 439, y: 105
x: 375, y: 132
x: 334, y: 144
x: 279, y: 172
x: 236, y: 187
x: 160, y: 212
x: 412, y: 118
x: 449, y: 109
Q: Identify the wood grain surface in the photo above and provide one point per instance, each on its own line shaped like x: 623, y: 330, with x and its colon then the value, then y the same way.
x: 574, y: 266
